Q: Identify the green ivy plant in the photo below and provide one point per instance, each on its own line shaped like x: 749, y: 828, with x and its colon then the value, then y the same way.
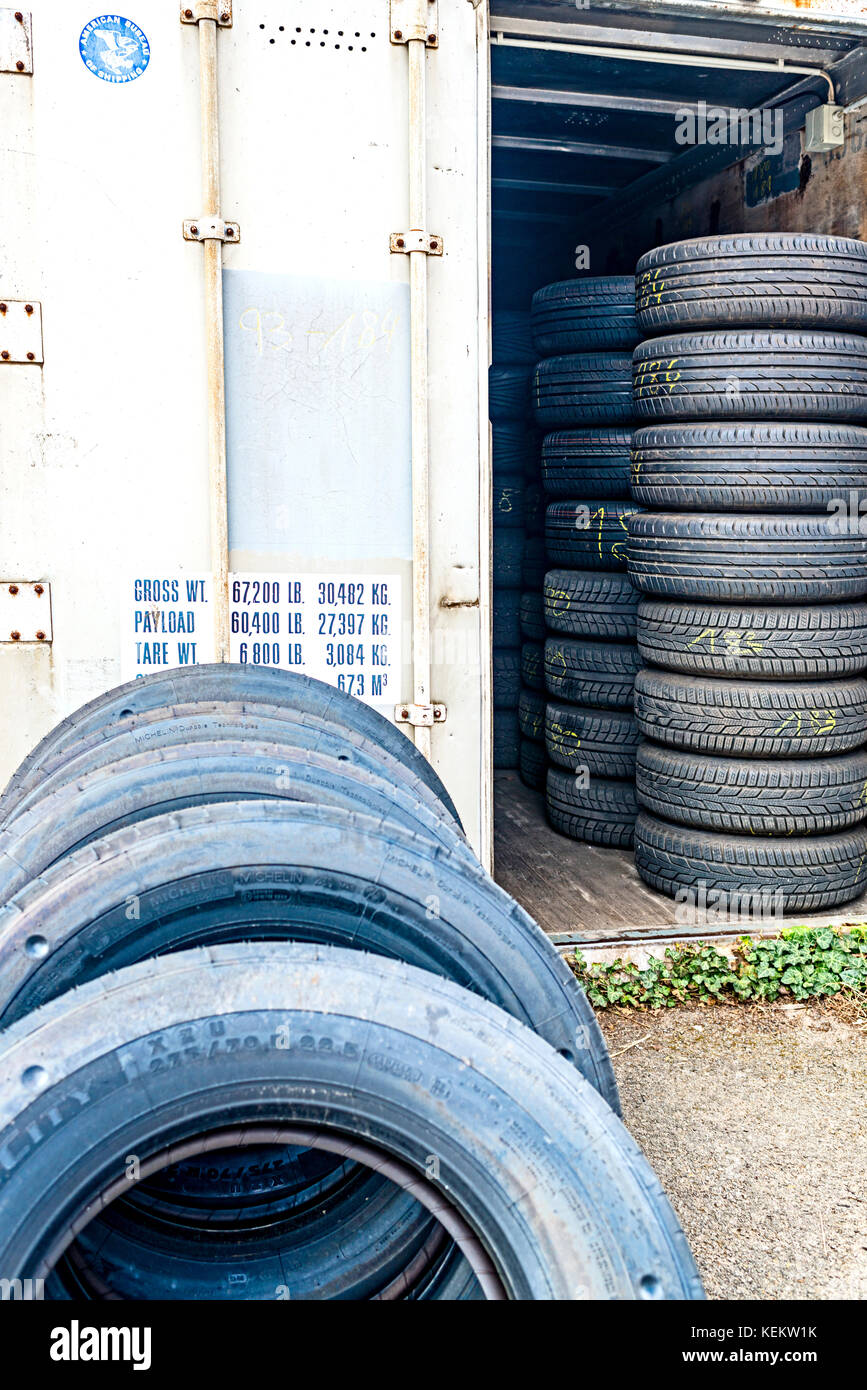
x: 800, y: 963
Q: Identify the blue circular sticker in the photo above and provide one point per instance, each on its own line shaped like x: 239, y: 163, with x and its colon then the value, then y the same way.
x: 114, y: 49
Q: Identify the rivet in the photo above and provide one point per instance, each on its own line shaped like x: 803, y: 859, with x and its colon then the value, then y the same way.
x: 225, y: 16
x: 400, y: 242
x: 229, y: 231
x: 398, y: 33
x: 15, y: 636
x: 38, y: 589
x: 28, y: 308
x: 13, y: 588
x: 4, y: 355
x: 19, y: 16
x: 194, y: 231
x: 431, y: 38
x: 19, y: 65
x: 40, y: 636
x: 434, y: 245
x: 3, y: 308
x: 404, y: 714
x: 31, y: 357
x: 188, y: 14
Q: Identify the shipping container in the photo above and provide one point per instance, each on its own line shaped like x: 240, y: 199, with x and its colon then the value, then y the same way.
x: 250, y: 257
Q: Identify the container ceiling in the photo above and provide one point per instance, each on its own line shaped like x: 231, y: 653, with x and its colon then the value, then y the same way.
x: 575, y: 131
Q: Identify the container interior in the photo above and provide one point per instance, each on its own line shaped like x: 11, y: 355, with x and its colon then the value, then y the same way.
x: 594, y: 161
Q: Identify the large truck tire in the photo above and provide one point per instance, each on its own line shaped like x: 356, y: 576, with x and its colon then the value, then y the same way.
x: 531, y: 715
x: 154, y: 784
x: 597, y: 810
x: 605, y: 742
x: 601, y: 674
x: 228, y: 682
x: 511, y: 338
x: 157, y: 730
x: 532, y: 765
x: 750, y: 876
x: 780, y: 643
x: 587, y: 463
x: 589, y: 535
x: 506, y: 619
x: 585, y: 315
x: 583, y: 389
x: 749, y: 796
x: 513, y: 448
x: 507, y: 557
x: 747, y: 719
x: 532, y: 616
x: 506, y: 677
x: 766, y: 466
x: 769, y: 279
x: 509, y: 393
x: 746, y: 559
x: 414, y: 1067
x: 591, y: 603
x: 264, y: 870
x: 508, y: 508
x: 533, y: 665
x: 752, y: 375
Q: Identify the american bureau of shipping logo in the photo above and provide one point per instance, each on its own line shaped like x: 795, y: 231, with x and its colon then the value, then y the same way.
x: 114, y: 49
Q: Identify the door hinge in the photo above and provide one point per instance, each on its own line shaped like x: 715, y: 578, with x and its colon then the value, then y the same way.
x: 401, y: 243
x: 25, y: 611
x: 415, y: 19
x: 211, y: 229
x: 218, y: 10
x: 16, y: 47
x: 420, y: 716
x: 21, y: 331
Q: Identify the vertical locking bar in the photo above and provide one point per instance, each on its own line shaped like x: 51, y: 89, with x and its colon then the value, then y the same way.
x: 421, y: 617
x: 212, y: 249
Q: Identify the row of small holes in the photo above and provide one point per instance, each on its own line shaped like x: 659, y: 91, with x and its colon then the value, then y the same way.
x: 322, y: 44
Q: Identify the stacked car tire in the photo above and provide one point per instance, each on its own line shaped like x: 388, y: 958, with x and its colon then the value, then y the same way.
x: 585, y: 330
x: 751, y: 558
x: 264, y: 1018
x: 514, y: 460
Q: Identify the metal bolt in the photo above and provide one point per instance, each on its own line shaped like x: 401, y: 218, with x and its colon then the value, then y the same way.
x: 188, y: 14
x: 13, y: 588
x: 28, y: 308
x: 225, y: 16
x: 404, y: 714
x: 5, y: 355
x: 19, y: 65
x: 40, y: 636
x: 16, y: 636
x: 3, y: 308
x: 38, y: 589
x: 194, y: 231
x: 31, y: 357
x: 398, y: 33
x: 400, y: 242
x: 229, y: 231
x: 19, y: 16
x: 431, y: 38
x: 434, y: 245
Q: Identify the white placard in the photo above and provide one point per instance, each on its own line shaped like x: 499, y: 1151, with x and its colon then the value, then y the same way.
x: 344, y: 629
x: 167, y: 621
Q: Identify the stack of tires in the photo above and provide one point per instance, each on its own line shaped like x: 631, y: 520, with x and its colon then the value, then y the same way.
x: 515, y: 464
x: 585, y: 331
x: 752, y: 563
x: 269, y: 1031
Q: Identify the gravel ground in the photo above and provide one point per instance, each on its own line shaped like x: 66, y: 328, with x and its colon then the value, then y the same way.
x: 755, y: 1119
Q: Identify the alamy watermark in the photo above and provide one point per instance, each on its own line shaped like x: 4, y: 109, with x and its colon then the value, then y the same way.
x: 763, y: 126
